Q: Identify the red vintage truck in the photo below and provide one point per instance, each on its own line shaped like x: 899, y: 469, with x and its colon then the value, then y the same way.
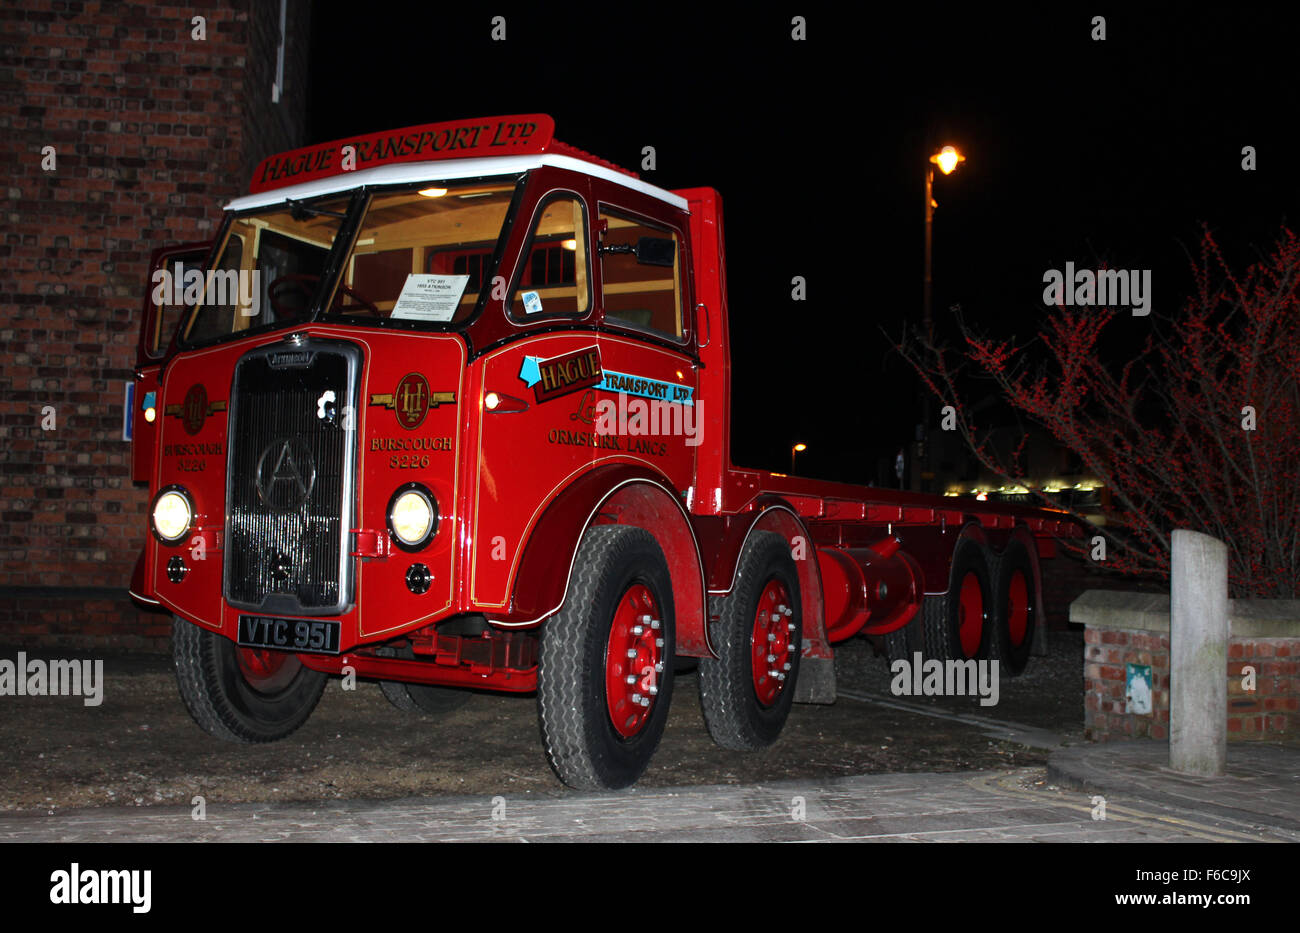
x: 448, y: 407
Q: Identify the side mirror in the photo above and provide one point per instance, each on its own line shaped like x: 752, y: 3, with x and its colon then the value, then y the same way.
x: 656, y: 251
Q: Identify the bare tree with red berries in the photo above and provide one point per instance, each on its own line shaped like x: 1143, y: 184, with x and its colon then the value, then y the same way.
x: 1200, y: 431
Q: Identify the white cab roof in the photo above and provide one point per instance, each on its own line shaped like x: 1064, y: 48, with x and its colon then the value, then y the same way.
x: 411, y: 172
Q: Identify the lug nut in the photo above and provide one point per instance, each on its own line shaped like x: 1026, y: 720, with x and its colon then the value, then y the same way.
x: 789, y: 626
x: 772, y: 674
x: 636, y: 698
x: 631, y: 652
x: 776, y: 617
x: 771, y: 636
x: 659, y: 668
x: 631, y: 679
x: 638, y: 629
x: 659, y: 642
x: 780, y: 677
x: 771, y: 658
x: 644, y: 618
x: 645, y: 701
x: 653, y: 690
x: 787, y: 611
x: 654, y: 624
x: 786, y: 666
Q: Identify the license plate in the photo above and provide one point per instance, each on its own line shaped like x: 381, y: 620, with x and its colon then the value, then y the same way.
x: 289, y: 634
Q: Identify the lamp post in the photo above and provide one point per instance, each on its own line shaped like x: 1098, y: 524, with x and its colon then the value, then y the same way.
x: 794, y: 450
x: 947, y: 158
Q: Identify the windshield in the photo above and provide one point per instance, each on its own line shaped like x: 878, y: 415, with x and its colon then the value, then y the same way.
x: 423, y: 255
x: 419, y: 255
x: 267, y: 270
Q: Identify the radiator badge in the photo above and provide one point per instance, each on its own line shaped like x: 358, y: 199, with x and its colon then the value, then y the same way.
x: 286, y: 474
x: 195, y: 409
x: 411, y: 400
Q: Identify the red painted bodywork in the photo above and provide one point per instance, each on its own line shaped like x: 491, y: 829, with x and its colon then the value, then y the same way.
x: 518, y: 486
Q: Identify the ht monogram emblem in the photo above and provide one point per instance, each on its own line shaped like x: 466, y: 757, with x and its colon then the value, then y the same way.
x: 411, y: 400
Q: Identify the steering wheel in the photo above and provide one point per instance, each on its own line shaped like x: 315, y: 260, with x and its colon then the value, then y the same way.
x: 306, y: 286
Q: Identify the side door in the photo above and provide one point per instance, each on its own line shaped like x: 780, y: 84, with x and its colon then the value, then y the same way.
x: 164, y: 304
x: 647, y: 345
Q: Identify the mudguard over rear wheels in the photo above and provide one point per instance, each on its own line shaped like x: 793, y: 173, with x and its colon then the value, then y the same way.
x: 746, y: 692
x: 241, y: 694
x: 605, y: 670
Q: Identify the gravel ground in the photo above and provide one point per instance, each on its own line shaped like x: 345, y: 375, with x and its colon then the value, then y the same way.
x: 140, y: 746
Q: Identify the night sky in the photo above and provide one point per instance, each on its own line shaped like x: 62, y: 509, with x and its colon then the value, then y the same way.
x: 1077, y: 150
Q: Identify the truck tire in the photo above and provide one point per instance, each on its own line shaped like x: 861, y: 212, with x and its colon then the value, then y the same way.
x: 746, y: 692
x: 903, y: 644
x: 961, y: 630
x: 420, y: 698
x: 1015, y: 608
x: 617, y: 622
x: 241, y: 694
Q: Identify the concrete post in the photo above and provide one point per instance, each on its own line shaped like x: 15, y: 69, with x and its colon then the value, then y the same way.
x: 1198, y: 654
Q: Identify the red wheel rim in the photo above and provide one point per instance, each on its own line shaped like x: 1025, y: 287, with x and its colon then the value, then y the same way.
x: 634, y: 661
x: 267, y: 671
x: 1017, y: 608
x: 970, y: 615
x: 771, y: 642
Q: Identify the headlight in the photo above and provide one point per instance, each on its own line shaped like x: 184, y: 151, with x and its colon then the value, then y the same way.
x: 173, y: 514
x: 412, y: 516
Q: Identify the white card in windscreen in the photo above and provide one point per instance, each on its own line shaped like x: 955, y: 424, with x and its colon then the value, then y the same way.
x: 429, y: 297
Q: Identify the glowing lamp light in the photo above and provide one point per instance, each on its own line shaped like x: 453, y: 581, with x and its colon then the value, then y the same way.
x: 150, y: 413
x: 433, y: 192
x: 800, y: 448
x: 571, y: 245
x: 947, y: 158
x: 491, y: 400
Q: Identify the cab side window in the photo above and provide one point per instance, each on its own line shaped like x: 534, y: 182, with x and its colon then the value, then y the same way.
x: 640, y: 267
x: 554, y: 276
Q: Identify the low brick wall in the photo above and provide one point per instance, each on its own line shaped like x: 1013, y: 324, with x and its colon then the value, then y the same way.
x: 1133, y: 628
x: 82, y: 619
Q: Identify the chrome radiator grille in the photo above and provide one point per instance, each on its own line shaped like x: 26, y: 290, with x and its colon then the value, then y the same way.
x: 290, y: 488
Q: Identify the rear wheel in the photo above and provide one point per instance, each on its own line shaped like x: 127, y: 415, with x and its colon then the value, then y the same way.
x: 962, y: 630
x: 1016, y: 607
x: 746, y: 692
x: 605, y: 670
x: 241, y: 694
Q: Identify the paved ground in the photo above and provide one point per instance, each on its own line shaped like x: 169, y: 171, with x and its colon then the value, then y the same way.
x: 1011, y: 806
x: 873, y: 767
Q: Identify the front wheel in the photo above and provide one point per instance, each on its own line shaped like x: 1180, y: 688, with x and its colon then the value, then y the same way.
x: 241, y: 694
x: 605, y: 670
x: 746, y: 692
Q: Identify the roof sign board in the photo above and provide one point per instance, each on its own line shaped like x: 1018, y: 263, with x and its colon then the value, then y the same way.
x: 521, y: 134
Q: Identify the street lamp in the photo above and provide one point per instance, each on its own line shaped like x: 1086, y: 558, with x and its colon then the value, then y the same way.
x: 947, y: 158
x: 794, y: 450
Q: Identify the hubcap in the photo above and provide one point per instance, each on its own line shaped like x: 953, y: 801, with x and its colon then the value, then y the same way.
x: 267, y: 671
x: 771, y: 642
x: 1018, y: 608
x: 634, y: 661
x: 970, y: 615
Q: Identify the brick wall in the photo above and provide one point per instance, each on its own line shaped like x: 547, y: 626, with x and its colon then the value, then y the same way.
x: 152, y: 131
x: 1270, y: 712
